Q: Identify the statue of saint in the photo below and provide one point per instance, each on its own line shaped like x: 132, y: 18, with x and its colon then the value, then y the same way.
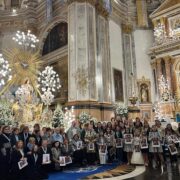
x: 144, y: 94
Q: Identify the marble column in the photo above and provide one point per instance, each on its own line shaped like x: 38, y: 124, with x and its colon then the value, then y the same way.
x: 104, y: 83
x: 82, y: 51
x: 168, y: 70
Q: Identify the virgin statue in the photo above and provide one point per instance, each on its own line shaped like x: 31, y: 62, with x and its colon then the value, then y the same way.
x: 144, y: 94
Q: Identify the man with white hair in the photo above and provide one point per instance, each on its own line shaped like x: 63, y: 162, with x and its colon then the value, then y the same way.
x: 56, y: 136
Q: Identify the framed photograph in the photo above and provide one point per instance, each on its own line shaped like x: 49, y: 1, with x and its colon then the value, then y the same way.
x: 102, y: 149
x: 62, y: 160
x: 137, y: 148
x: 79, y: 145
x: 172, y: 148
x: 128, y: 138
x: 175, y: 139
x: 91, y: 147
x: 156, y: 142
x: 119, y: 143
x: 46, y: 159
x: 144, y: 144
x: 68, y: 160
x: 22, y: 164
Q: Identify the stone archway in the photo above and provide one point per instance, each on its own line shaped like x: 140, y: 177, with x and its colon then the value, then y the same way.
x: 44, y: 32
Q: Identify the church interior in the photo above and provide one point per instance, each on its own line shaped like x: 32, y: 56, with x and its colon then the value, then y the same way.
x: 89, y: 89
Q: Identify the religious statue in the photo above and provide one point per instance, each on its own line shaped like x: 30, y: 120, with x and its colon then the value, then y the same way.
x: 144, y: 93
x: 26, y: 109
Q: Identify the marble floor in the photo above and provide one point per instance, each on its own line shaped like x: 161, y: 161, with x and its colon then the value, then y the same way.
x: 171, y: 172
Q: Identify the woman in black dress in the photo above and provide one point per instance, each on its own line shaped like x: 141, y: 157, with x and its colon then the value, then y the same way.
x: 17, y: 156
x: 34, y: 171
x: 5, y: 149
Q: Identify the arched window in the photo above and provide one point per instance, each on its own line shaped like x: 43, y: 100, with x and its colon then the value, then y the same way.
x: 57, y: 38
x: 14, y: 3
x: 163, y: 68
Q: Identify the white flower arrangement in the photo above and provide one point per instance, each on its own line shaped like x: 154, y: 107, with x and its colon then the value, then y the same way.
x: 6, y: 116
x: 5, y: 71
x: 49, y: 80
x: 84, y: 117
x: 121, y: 110
x: 47, y: 98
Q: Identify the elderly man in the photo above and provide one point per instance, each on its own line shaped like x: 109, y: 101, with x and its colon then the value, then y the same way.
x: 56, y: 136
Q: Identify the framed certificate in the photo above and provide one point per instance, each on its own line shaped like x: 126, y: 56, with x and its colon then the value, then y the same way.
x: 22, y: 164
x: 46, y: 159
x: 144, y: 144
x: 62, y: 160
x: 128, y: 138
x: 119, y: 143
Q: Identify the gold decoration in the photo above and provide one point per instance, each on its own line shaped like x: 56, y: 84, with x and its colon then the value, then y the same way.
x: 25, y: 65
x: 81, y: 77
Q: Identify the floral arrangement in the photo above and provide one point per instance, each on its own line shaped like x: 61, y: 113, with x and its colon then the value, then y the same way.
x: 121, y: 110
x: 5, y: 71
x: 58, y: 117
x: 84, y: 117
x: 6, y: 116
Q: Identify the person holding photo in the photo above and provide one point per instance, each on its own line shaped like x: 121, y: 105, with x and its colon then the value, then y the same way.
x: 78, y: 149
x: 44, y: 150
x: 34, y: 163
x: 109, y: 135
x: 128, y: 145
x: 102, y: 147
x: 171, y: 146
x: 56, y: 153
x: 144, y: 146
x: 155, y: 147
x: 18, y: 155
x: 119, y: 150
x: 90, y: 139
x: 137, y: 157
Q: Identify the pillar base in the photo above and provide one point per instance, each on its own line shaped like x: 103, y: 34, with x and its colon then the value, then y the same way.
x: 101, y: 111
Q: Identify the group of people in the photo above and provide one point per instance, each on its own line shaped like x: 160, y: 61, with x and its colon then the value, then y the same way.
x: 26, y: 154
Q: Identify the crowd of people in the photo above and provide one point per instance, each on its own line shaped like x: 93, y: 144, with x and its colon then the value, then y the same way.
x: 26, y: 154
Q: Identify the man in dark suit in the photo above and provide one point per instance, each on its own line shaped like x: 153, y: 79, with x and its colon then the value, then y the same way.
x: 14, y: 137
x: 25, y: 135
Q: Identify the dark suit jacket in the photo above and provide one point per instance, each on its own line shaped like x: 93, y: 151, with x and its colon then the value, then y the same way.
x: 22, y: 138
x: 13, y: 139
x: 38, y: 142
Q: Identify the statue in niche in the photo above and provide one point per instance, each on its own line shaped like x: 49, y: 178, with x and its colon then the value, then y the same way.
x: 144, y: 93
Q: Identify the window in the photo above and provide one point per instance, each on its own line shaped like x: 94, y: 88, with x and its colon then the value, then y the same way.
x: 57, y: 38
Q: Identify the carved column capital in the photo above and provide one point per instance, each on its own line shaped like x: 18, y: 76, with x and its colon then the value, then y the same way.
x: 127, y: 28
x: 93, y: 2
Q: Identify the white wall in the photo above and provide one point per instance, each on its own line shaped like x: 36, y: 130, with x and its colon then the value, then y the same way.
x: 116, y: 51
x: 143, y: 41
